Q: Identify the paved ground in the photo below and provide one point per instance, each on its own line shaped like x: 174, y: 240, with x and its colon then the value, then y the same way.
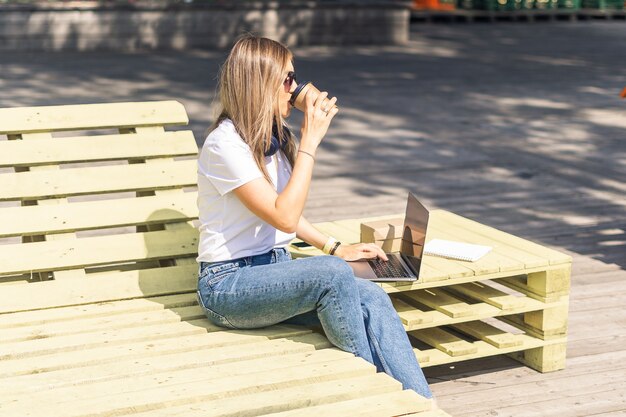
x: 516, y: 125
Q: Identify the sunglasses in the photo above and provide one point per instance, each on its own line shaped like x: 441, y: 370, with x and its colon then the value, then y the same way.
x: 291, y: 77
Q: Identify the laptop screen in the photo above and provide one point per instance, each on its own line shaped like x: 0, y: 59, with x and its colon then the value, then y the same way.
x: 415, y: 225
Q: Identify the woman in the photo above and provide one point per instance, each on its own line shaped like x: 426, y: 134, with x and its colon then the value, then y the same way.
x: 253, y: 184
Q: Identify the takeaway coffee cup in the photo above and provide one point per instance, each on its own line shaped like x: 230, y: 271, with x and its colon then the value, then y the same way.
x: 299, y: 94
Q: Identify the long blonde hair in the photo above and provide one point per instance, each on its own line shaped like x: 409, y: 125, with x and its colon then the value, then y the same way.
x: 249, y: 85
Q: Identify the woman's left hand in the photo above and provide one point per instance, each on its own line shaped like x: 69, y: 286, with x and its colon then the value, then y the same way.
x: 360, y: 251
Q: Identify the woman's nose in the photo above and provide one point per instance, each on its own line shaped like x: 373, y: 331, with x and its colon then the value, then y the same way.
x: 293, y: 86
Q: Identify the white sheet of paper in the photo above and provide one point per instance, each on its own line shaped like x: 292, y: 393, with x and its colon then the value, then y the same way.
x: 456, y: 250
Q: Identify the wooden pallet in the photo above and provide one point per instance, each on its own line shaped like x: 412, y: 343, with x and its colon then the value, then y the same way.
x: 159, y: 356
x: 513, y: 301
x: 98, y: 314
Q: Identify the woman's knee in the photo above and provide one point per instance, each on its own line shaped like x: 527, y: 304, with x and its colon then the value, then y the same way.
x: 335, y: 273
x: 373, y: 296
x: 332, y: 265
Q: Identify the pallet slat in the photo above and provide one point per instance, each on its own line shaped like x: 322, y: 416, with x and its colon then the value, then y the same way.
x: 91, y: 116
x: 409, y: 314
x: 492, y: 262
x: 144, y: 378
x: 488, y: 333
x: 553, y: 257
x: 18, y: 153
x: 36, y: 138
x: 176, y: 343
x: 502, y: 257
x: 442, y: 301
x: 93, y: 311
x: 444, y: 341
x: 290, y: 398
x: 108, y: 287
x: 98, y: 250
x: 122, y: 335
x: 87, y: 215
x: 414, y: 319
x: 483, y: 292
x: 90, y: 324
x: 150, y: 393
x: 389, y: 404
x: 97, y: 180
x: 483, y: 349
x: 197, y: 354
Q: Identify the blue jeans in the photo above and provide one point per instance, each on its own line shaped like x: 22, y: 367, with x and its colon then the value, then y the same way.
x: 356, y: 315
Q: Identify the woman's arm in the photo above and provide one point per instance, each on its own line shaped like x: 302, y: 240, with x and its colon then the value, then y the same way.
x: 283, y: 210
x: 307, y: 232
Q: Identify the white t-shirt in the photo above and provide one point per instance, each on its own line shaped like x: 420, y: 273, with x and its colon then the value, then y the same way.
x: 228, y: 230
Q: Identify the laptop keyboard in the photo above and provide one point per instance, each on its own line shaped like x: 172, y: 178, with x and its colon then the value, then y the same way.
x: 388, y: 269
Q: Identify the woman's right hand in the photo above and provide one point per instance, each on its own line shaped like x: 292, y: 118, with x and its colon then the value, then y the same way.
x: 316, y: 120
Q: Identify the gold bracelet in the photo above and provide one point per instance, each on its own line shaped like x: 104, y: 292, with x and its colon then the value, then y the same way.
x: 329, y: 245
x: 305, y: 152
x: 332, y: 251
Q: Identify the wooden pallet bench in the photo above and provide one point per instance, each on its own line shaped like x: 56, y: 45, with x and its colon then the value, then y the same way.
x: 98, y: 313
x: 512, y: 301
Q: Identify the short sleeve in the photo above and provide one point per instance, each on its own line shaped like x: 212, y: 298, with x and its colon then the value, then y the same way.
x: 227, y: 162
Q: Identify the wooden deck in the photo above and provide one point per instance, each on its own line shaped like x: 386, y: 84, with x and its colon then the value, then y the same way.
x: 517, y: 126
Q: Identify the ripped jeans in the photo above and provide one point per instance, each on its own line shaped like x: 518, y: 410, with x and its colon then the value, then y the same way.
x: 357, y: 315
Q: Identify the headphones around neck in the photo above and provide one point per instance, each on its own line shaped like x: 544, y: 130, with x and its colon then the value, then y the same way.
x: 275, y: 144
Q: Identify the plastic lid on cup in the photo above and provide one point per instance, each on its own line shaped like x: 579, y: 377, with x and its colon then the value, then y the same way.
x: 297, y: 91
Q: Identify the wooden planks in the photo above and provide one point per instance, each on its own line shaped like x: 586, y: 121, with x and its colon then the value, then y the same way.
x: 395, y: 403
x: 442, y: 301
x: 420, y: 309
x: 88, y: 215
x: 489, y: 334
x: 531, y: 293
x: 148, y: 350
x: 73, y: 373
x: 509, y: 257
x: 298, y: 398
x: 532, y: 252
x: 68, y: 313
x: 166, y: 361
x: 33, y: 139
x: 183, y: 386
x: 99, y: 288
x: 444, y: 341
x: 121, y: 332
x: 128, y: 146
x: 150, y: 392
x: 490, y: 295
x: 95, y: 180
x: 458, y: 294
x: 91, y: 116
x: 168, y: 342
x: 98, y: 250
x: 482, y: 349
x: 128, y: 320
x: 136, y: 356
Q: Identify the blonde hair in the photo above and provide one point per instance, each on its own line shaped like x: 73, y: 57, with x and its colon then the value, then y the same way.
x: 250, y: 81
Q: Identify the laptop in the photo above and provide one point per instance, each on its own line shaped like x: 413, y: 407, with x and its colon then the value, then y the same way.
x: 404, y: 265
